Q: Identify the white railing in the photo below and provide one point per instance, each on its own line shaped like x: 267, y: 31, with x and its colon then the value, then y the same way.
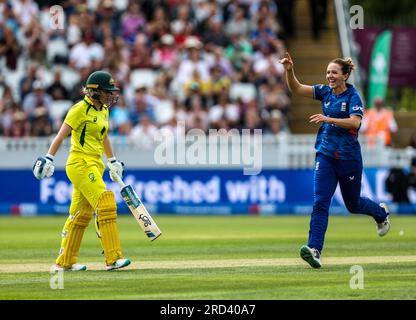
x: 283, y: 151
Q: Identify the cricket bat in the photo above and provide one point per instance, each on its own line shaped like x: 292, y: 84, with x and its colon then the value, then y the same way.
x: 138, y: 210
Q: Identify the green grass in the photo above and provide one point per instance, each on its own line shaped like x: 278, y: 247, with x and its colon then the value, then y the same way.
x: 26, y: 240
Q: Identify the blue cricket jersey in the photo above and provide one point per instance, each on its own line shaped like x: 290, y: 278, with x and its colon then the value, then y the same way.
x: 333, y: 141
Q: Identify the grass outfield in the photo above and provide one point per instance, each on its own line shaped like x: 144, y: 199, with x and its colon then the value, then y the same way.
x: 240, y: 257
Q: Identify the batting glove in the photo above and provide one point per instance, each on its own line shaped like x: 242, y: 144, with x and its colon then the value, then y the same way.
x: 116, y: 168
x: 44, y: 167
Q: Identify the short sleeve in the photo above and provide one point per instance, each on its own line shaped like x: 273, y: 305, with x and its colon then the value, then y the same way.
x: 356, y: 106
x: 75, y: 117
x: 318, y: 91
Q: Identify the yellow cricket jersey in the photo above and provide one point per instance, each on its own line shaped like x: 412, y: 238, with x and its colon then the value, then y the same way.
x: 89, y: 128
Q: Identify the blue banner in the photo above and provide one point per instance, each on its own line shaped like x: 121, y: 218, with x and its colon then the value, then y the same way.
x: 190, y: 192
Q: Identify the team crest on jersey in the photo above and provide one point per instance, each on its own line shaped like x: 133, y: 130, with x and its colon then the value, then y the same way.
x: 91, y: 176
x: 95, y: 119
x: 344, y: 106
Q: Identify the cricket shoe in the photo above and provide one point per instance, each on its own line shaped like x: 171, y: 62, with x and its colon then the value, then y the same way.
x: 120, y: 263
x: 311, y: 256
x: 74, y: 267
x: 384, y: 227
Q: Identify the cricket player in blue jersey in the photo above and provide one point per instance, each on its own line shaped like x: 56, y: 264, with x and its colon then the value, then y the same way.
x: 338, y: 152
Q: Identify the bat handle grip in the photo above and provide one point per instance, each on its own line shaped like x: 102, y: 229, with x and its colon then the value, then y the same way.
x: 119, y: 181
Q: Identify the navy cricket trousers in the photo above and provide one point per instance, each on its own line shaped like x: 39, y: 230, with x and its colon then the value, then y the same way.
x: 328, y: 173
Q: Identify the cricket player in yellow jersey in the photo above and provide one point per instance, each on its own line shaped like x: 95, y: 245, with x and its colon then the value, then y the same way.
x: 87, y: 121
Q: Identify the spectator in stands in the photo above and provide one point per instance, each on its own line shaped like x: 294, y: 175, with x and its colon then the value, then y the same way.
x: 195, y: 94
x: 238, y: 24
x: 76, y: 93
x: 238, y: 50
x: 20, y: 126
x: 263, y: 35
x: 141, y: 56
x: 220, y: 60
x: 37, y: 99
x: 120, y: 118
x: 35, y: 42
x: 165, y: 56
x: 225, y: 114
x: 194, y: 61
x: 164, y: 108
x: 159, y: 24
x: 196, y: 84
x: 142, y: 104
x: 143, y: 134
x: 197, y: 116
x: 275, y: 124
x: 84, y: 53
x: 26, y: 83
x: 214, y: 34
x: 41, y: 123
x: 246, y: 73
x: 274, y: 96
x: 117, y: 60
x: 252, y: 120
x: 74, y: 33
x: 379, y: 123
x: 25, y: 11
x: 8, y: 19
x: 182, y: 19
x: 266, y: 65
x: 7, y: 108
x: 218, y: 83
x: 57, y: 90
x: 266, y: 10
x: 132, y: 22
x: 9, y: 48
x: 6, y: 95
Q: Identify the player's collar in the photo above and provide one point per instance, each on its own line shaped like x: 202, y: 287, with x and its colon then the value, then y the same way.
x: 89, y: 102
x: 349, y: 88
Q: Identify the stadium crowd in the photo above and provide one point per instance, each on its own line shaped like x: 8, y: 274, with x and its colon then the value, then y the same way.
x: 209, y: 63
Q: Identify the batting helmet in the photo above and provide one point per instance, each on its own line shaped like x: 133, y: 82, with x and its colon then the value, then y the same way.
x: 101, y: 80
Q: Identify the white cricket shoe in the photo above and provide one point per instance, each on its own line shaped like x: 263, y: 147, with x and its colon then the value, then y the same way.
x: 120, y: 263
x: 74, y: 267
x: 311, y: 256
x: 384, y: 227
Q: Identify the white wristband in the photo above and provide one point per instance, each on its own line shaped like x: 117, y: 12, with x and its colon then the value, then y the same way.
x: 112, y: 159
x: 50, y: 156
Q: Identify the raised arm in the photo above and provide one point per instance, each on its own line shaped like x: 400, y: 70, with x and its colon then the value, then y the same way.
x: 293, y: 83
